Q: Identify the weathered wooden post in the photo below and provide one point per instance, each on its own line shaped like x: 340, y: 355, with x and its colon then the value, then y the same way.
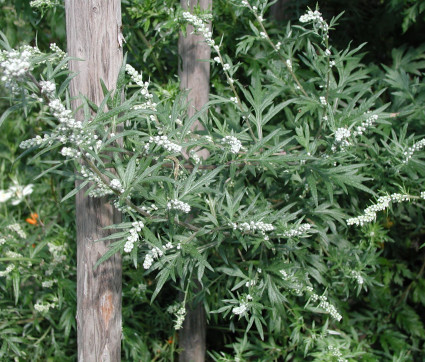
x: 93, y: 29
x: 194, y: 76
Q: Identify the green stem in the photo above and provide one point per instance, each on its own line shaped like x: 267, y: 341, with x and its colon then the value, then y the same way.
x: 154, y: 57
x: 230, y: 81
x: 294, y: 77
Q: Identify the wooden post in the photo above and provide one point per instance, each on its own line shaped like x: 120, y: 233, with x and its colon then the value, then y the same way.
x: 195, y: 77
x: 93, y: 27
x: 278, y: 10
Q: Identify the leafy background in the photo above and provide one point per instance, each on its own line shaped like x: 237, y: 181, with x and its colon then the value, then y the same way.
x: 382, y: 320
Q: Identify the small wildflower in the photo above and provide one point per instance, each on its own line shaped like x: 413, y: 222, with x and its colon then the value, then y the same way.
x: 382, y: 203
x: 356, y: 275
x: 298, y: 231
x: 178, y: 205
x: 233, y: 142
x: 411, y: 150
x: 8, y: 270
x: 289, y: 64
x: 116, y: 185
x: 181, y: 314
x: 32, y: 219
x: 241, y: 309
x: 359, y: 130
x: 5, y: 195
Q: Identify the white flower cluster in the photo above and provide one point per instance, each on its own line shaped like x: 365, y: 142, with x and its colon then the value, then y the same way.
x: 40, y: 307
x: 381, y: 204
x: 241, y: 309
x: 233, y: 142
x: 253, y: 226
x: 366, y: 124
x: 423, y: 195
x: 70, y: 152
x: 58, y: 256
x: 48, y: 88
x: 342, y: 136
x: 58, y: 51
x: 156, y: 253
x: 116, y: 185
x: 17, y: 229
x: 43, y: 3
x: 399, y: 197
x: 101, y: 189
x: 298, y: 231
x: 16, y: 193
x: 181, y: 314
x: 139, y: 290
x: 356, y: 275
x: 293, y: 283
x: 411, y: 150
x: 14, y: 64
x: 250, y: 283
x: 370, y: 213
x: 164, y: 142
x: 194, y: 156
x: 13, y: 254
x: 121, y: 206
x: 323, y: 100
x: 49, y: 283
x: 285, y: 275
x: 8, y: 270
x: 328, y: 307
x: 36, y: 141
x: 68, y: 131
x: 289, y: 64
x: 200, y: 27
x: 178, y: 205
x: 337, y: 353
x: 134, y: 235
x: 316, y: 18
x: 138, y: 79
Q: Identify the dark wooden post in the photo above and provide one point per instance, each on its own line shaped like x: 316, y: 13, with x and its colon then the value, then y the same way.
x: 195, y: 77
x: 278, y: 10
x: 93, y: 27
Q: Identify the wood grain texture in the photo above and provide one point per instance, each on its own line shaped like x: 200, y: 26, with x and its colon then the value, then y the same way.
x: 278, y: 10
x: 92, y: 35
x: 194, y: 73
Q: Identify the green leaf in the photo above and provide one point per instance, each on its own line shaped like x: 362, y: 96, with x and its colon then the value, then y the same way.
x: 8, y: 111
x: 75, y: 191
x: 113, y: 249
x: 16, y: 284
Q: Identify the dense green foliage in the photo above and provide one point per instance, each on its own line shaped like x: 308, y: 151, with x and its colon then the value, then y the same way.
x: 303, y: 137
